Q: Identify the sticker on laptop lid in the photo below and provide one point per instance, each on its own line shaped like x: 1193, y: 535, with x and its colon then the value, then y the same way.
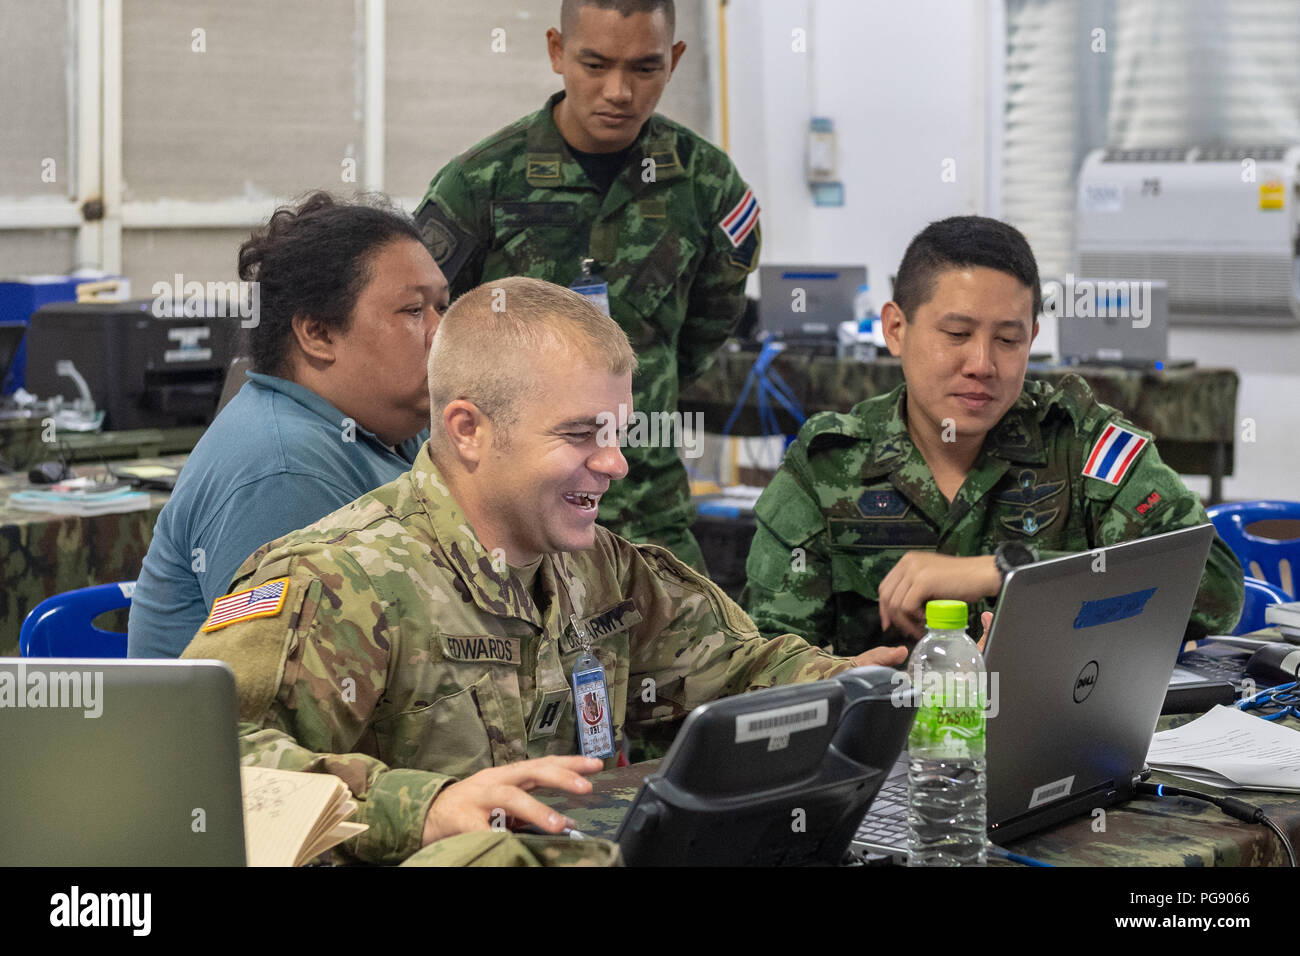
x: 1112, y: 609
x: 1051, y: 791
x: 781, y: 721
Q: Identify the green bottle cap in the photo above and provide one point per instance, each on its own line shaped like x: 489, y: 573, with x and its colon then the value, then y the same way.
x: 945, y: 615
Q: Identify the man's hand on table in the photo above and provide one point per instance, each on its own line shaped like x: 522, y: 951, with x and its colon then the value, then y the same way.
x: 895, y: 656
x: 470, y: 803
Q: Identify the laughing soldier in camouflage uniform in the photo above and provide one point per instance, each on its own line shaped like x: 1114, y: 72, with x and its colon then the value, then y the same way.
x: 907, y: 496
x: 428, y: 631
x: 669, y: 223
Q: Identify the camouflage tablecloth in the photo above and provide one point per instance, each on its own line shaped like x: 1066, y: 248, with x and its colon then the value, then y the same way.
x: 1145, y: 831
x: 46, y: 554
x: 1192, y: 412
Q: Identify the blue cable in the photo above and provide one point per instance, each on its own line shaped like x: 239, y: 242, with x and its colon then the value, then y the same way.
x: 1005, y: 854
x: 769, y: 385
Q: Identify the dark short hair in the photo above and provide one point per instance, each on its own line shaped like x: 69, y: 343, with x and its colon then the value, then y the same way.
x: 959, y: 243
x: 625, y: 8
x: 314, y: 259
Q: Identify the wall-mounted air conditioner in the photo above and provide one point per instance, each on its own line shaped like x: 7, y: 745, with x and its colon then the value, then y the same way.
x: 1219, y: 224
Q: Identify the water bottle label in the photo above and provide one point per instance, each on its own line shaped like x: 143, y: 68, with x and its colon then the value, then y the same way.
x: 597, y: 294
x: 955, y: 730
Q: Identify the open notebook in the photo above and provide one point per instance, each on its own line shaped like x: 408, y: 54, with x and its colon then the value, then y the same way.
x: 290, y: 817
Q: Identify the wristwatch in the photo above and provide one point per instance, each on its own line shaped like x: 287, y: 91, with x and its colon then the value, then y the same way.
x: 1013, y: 554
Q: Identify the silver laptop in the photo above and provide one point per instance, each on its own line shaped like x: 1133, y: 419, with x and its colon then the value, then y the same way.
x: 1079, y: 659
x: 1114, y: 321
x: 807, y: 301
x: 118, y: 763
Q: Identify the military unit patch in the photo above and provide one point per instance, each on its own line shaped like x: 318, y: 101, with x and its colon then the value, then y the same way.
x: 883, y: 504
x: 265, y: 600
x: 741, y: 220
x: 1113, y: 455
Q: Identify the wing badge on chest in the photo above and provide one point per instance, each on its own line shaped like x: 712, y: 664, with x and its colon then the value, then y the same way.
x: 1028, y: 492
x: 1030, y: 521
x: 1033, y: 513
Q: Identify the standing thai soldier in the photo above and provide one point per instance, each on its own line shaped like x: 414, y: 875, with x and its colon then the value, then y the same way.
x: 665, y: 226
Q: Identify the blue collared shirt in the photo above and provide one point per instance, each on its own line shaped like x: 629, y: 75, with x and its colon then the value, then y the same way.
x: 277, y: 458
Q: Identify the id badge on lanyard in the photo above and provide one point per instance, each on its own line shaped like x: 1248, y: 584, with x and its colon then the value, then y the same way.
x: 590, y: 700
x: 594, y: 287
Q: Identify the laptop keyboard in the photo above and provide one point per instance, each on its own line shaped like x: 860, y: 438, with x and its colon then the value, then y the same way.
x: 1224, y: 665
x: 886, y: 822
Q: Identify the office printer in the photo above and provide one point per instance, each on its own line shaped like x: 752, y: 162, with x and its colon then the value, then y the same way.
x: 144, y: 369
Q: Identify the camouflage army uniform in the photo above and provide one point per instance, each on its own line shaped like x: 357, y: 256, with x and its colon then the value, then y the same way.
x: 518, y: 203
x: 853, y: 494
x: 401, y: 660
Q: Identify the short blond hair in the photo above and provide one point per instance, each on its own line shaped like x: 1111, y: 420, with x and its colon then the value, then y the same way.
x: 487, y: 346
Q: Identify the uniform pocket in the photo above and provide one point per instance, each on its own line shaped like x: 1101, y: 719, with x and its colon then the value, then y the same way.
x: 452, y: 735
x: 668, y: 263
x: 861, y: 573
x: 533, y: 238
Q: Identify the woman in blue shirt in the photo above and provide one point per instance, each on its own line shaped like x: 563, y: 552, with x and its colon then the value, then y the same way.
x: 336, y: 403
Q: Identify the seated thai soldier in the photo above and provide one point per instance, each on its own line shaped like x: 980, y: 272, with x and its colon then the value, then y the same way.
x: 336, y: 403
x: 937, y: 488
x: 420, y: 642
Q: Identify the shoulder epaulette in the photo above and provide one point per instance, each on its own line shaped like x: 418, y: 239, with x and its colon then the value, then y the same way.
x: 1070, y: 396
x: 496, y: 139
x: 832, y: 429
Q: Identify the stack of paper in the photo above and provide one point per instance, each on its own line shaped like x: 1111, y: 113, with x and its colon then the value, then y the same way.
x: 1286, y: 617
x: 81, y: 502
x: 1231, y: 749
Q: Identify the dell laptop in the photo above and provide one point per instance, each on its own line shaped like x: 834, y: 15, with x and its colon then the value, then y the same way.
x: 1078, y: 660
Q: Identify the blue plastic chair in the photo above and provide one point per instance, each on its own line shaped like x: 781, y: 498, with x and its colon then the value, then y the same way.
x: 63, y: 625
x: 1271, y: 560
x: 1259, y: 595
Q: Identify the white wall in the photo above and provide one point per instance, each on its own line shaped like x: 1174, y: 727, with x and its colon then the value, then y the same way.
x: 905, y: 86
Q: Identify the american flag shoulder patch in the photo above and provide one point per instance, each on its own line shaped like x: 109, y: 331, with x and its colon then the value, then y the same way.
x: 265, y: 600
x: 741, y: 220
x: 1113, y: 454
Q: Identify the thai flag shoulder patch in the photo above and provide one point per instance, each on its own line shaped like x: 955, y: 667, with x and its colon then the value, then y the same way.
x: 741, y: 220
x: 1113, y: 454
x: 265, y: 600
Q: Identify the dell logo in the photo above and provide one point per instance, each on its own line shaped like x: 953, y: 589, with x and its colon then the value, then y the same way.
x: 1085, y: 682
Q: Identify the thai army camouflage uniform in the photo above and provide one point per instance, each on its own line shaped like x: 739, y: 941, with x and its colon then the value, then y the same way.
x: 853, y: 494
x: 518, y: 203
x: 401, y: 659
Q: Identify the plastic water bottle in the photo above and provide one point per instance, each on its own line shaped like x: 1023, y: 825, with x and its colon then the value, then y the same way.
x: 864, y: 322
x: 946, y: 807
